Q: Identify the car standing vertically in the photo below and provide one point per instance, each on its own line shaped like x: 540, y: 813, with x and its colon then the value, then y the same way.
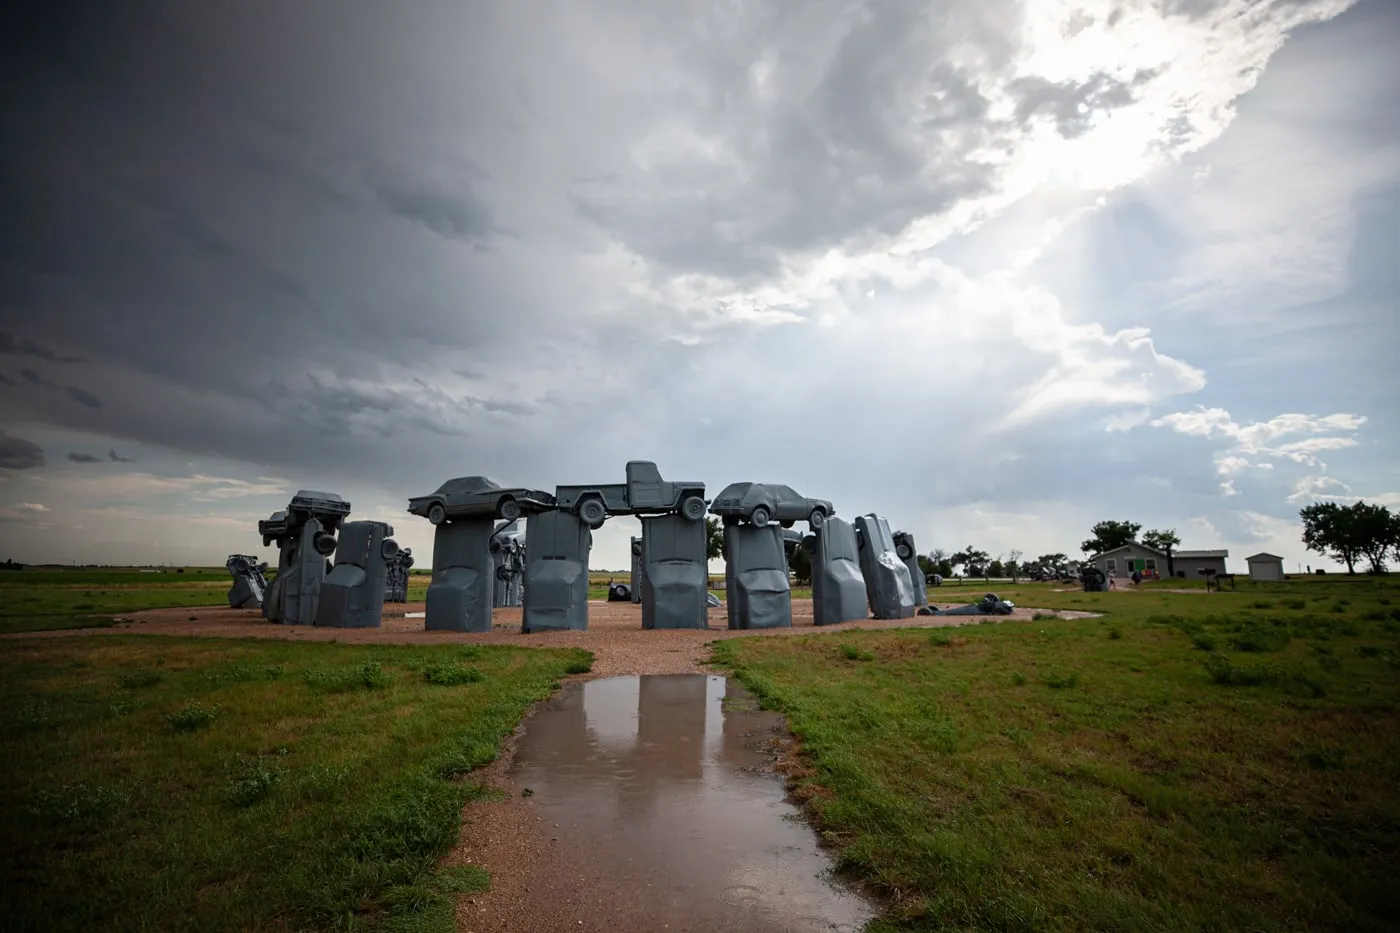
x: 760, y: 503
x: 478, y: 497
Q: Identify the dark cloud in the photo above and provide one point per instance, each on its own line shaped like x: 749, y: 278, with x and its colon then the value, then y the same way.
x: 33, y: 377
x: 10, y: 345
x: 113, y: 456
x: 6, y: 380
x: 1075, y: 106
x: 83, y: 397
x: 84, y: 458
x: 16, y: 453
x: 451, y: 213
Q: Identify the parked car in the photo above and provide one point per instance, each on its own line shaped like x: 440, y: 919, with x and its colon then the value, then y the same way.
x: 760, y: 503
x: 478, y: 497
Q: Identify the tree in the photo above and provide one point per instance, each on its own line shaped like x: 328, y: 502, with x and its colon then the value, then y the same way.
x: 973, y: 561
x: 996, y: 569
x: 1013, y: 565
x: 1110, y: 535
x: 1395, y: 536
x: 714, y: 539
x: 1374, y: 526
x: 1163, y: 540
x: 800, y: 563
x: 1052, y: 560
x: 1330, y: 529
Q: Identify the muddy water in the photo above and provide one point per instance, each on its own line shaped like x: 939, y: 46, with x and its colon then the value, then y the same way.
x: 661, y: 786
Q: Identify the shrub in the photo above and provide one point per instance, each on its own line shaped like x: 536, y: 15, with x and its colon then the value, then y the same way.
x: 367, y: 676
x: 1062, y: 681
x: 193, y: 715
x: 253, y: 782
x: 1203, y: 642
x: 853, y: 653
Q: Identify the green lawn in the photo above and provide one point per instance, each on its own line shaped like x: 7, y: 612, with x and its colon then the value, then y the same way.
x: 1223, y: 761
x: 217, y: 784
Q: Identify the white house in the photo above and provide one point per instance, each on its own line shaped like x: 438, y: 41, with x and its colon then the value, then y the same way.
x: 1265, y: 566
x: 1137, y: 556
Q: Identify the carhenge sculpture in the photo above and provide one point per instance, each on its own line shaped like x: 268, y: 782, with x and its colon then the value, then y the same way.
x: 907, y: 551
x: 305, y: 536
x: 988, y: 605
x: 838, y: 586
x: 675, y: 574
x: 396, y: 588
x: 756, y: 589
x: 249, y: 584
x: 507, y: 548
x: 352, y: 595
x: 556, y: 572
x: 638, y: 569
x: 887, y: 584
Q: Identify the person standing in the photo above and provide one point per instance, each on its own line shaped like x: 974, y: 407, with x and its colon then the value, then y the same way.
x: 1112, y: 580
x: 1137, y: 578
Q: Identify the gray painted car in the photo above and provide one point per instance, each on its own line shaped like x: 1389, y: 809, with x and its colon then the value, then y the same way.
x: 478, y: 497
x: 760, y: 503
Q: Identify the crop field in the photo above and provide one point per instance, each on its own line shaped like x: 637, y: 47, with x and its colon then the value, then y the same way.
x: 204, y: 784
x: 1189, y: 761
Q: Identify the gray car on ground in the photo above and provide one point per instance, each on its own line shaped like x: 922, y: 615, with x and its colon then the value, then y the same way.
x: 760, y: 503
x: 478, y: 497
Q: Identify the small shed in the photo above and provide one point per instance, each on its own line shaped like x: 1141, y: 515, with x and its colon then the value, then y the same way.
x: 1265, y: 566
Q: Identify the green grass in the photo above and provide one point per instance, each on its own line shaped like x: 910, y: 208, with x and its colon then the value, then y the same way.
x: 1213, y: 766
x: 218, y: 784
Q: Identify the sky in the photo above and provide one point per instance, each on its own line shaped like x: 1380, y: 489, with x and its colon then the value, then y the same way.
x: 995, y: 269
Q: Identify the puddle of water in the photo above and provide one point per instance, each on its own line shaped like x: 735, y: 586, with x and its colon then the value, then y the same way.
x: 661, y: 785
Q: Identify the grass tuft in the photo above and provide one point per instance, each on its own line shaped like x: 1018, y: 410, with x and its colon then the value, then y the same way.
x: 854, y: 653
x: 193, y: 715
x: 451, y: 673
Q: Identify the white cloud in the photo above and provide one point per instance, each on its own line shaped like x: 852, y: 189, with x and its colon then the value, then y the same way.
x: 1258, y: 438
x: 31, y: 506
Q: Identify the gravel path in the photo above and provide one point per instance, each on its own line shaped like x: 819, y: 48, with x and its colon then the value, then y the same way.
x: 535, y: 888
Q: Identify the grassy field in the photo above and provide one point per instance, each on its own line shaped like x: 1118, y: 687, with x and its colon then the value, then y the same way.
x: 232, y: 785
x: 1190, y: 761
x: 37, y: 600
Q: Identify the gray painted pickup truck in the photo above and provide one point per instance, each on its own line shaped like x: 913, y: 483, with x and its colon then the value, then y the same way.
x: 645, y: 492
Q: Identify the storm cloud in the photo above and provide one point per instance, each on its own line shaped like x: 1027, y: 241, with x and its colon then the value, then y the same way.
x: 784, y: 241
x: 16, y: 453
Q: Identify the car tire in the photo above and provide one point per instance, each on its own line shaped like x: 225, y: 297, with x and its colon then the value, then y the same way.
x: 816, y: 519
x: 389, y: 549
x: 788, y: 524
x: 693, y: 508
x: 760, y: 516
x: 592, y: 512
x: 508, y: 509
x: 809, y: 544
x: 324, y: 544
x: 437, y: 513
x: 903, y: 551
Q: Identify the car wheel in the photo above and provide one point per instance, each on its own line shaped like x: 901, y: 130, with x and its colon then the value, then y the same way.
x: 816, y: 519
x: 809, y: 544
x: 693, y: 508
x: 389, y: 549
x: 759, y: 516
x: 324, y: 544
x: 509, y: 509
x: 903, y: 551
x: 787, y: 524
x: 592, y: 512
x: 437, y: 513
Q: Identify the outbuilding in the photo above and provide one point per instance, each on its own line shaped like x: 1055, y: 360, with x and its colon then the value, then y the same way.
x: 1265, y: 567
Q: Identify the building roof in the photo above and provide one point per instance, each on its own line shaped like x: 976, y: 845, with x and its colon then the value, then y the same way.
x: 1135, y: 544
x: 1264, y: 555
x: 1200, y: 554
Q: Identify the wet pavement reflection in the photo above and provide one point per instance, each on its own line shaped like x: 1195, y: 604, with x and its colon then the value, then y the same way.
x: 662, y: 785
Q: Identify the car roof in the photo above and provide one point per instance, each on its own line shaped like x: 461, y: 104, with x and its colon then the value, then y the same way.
x: 734, y: 489
x: 468, y: 484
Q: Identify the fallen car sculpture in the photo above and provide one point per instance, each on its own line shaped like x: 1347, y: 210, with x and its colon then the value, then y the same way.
x: 988, y: 605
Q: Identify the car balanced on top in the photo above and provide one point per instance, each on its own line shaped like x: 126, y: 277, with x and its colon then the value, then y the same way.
x: 645, y: 492
x: 760, y: 503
